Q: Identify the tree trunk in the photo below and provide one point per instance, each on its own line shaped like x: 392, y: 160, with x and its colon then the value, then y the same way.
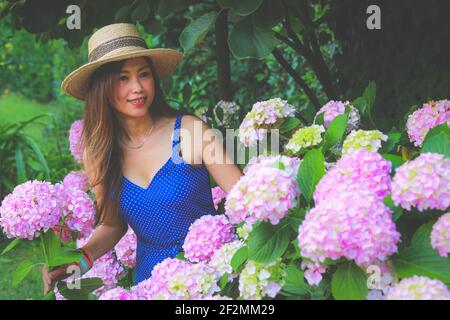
x: 223, y: 57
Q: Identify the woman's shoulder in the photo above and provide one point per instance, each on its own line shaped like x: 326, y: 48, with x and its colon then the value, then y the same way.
x: 190, y: 121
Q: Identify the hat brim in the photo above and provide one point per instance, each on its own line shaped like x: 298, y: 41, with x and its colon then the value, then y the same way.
x: 165, y: 61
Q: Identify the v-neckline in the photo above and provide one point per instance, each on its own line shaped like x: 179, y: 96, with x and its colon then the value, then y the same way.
x: 163, y: 166
x: 154, y: 177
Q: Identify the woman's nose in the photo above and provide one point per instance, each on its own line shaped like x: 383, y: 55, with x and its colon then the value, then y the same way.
x: 136, y: 85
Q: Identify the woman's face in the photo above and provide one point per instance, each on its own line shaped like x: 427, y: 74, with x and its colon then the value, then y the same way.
x: 135, y: 82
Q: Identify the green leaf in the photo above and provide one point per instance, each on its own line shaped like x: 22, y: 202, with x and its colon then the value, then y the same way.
x: 320, y: 119
x: 11, y: 246
x: 437, y: 140
x: 22, y: 271
x: 294, y: 281
x: 86, y: 287
x: 141, y: 12
x: 289, y: 124
x: 123, y: 15
x: 397, y: 210
x: 196, y: 31
x: 295, y: 217
x: 311, y: 171
x: 20, y: 165
x: 369, y: 95
x: 395, y: 160
x: 50, y: 296
x: 422, y: 236
x: 39, y: 156
x: 180, y: 256
x: 268, y: 15
x: 223, y: 281
x: 421, y: 259
x: 335, y: 131
x: 68, y: 255
x: 51, y: 247
x: 365, y: 103
x: 349, y: 282
x: 239, y: 258
x: 279, y: 165
x: 267, y: 242
x: 393, y: 139
x: 242, y: 8
x: 246, y: 41
x: 166, y: 7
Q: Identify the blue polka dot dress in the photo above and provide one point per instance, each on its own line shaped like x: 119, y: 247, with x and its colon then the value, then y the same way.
x: 161, y: 214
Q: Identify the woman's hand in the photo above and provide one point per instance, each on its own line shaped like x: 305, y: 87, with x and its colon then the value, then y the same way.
x: 51, y: 277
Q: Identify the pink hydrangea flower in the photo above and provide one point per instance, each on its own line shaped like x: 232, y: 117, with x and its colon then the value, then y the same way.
x: 117, y: 293
x: 107, y: 268
x: 76, y: 179
x: 78, y: 209
x: 431, y: 115
x: 218, y: 195
x: 33, y: 207
x: 263, y: 115
x: 440, y: 235
x: 355, y: 170
x: 423, y: 183
x: 126, y: 249
x: 75, y: 140
x: 419, y: 288
x: 174, y: 279
x: 313, y: 272
x: 221, y: 259
x: 335, y: 108
x: 354, y: 225
x: 291, y: 164
x: 262, y: 195
x: 157, y: 283
x: 207, y: 234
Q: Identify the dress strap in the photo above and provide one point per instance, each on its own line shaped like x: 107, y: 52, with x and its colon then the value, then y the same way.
x: 176, y: 150
x: 176, y: 131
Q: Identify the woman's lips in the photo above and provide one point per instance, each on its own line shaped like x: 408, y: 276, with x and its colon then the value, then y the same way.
x: 137, y: 103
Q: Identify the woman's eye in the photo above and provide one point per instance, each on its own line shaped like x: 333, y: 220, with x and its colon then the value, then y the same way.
x: 145, y: 74
x: 123, y: 78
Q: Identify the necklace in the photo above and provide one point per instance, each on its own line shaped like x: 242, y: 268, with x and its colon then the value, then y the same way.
x: 143, y: 141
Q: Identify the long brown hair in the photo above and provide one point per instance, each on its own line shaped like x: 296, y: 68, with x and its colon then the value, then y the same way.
x: 103, y: 133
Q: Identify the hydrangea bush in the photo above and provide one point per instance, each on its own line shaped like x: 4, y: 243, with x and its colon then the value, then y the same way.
x: 344, y: 212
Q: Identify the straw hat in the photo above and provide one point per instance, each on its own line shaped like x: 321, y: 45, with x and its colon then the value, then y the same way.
x: 117, y: 42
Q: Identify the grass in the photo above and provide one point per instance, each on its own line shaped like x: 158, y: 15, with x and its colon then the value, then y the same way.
x: 14, y: 108
x: 31, y: 287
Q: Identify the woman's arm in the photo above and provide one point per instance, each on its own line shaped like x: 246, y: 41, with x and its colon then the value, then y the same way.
x: 104, y: 238
x: 207, y: 146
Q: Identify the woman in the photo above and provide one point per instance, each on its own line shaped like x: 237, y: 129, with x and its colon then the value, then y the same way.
x: 135, y: 143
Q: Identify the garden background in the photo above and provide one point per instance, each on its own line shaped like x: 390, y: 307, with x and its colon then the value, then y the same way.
x: 305, y: 51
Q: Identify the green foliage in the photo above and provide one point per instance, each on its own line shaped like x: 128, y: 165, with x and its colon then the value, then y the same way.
x: 21, y: 272
x: 242, y: 8
x: 294, y: 283
x: 247, y: 41
x: 267, y: 242
x: 437, y: 140
x: 419, y: 258
x: 239, y: 258
x: 310, y: 172
x: 83, y: 293
x: 196, y: 31
x: 349, y: 282
x: 335, y: 132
